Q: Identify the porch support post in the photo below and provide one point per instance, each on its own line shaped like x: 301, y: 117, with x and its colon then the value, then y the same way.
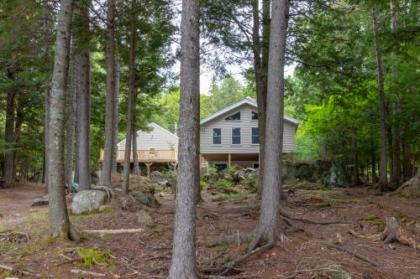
x: 148, y: 165
x: 229, y: 159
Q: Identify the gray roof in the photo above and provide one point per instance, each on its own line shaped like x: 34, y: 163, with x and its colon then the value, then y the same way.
x: 248, y: 100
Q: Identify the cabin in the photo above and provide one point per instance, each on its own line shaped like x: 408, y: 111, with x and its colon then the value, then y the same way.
x: 156, y: 146
x: 230, y: 136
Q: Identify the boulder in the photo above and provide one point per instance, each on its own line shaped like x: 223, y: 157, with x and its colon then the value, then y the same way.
x: 40, y: 201
x: 144, y: 219
x: 147, y: 199
x: 157, y: 177
x: 87, y: 201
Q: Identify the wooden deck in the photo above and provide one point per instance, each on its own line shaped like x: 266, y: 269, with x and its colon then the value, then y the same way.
x: 149, y: 156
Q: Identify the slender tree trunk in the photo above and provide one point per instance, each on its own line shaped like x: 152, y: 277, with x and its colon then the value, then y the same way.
x: 132, y: 92
x: 261, y: 80
x: 105, y: 178
x: 82, y: 64
x: 136, y: 168
x: 396, y: 133
x: 355, y: 174
x: 17, y: 133
x: 116, y: 118
x: 59, y: 220
x: 70, y: 110
x: 268, y: 228
x: 373, y: 161
x: 383, y: 180
x: 183, y: 263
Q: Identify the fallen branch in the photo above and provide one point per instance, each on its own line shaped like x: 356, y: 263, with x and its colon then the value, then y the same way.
x: 373, y: 237
x: 18, y: 271
x: 352, y: 253
x: 85, y: 272
x: 308, y: 221
x: 223, y: 270
x: 116, y: 231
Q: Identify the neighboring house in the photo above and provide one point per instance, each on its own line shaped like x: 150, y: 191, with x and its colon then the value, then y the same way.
x: 230, y: 136
x: 155, y: 146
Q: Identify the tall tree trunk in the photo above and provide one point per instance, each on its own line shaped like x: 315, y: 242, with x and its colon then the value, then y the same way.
x: 82, y: 62
x: 70, y: 111
x: 383, y: 180
x: 183, y: 263
x: 132, y: 92
x: 396, y: 133
x: 59, y: 220
x: 268, y: 228
x: 46, y: 35
x: 373, y: 161
x: 9, y: 137
x: 105, y: 178
x: 116, y: 118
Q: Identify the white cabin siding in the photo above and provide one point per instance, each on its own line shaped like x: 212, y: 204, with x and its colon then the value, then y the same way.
x: 158, y: 138
x: 246, y: 124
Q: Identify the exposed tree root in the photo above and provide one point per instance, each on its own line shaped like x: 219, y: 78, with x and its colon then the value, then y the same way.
x: 267, y: 235
x: 228, y: 267
x: 85, y: 272
x: 351, y: 253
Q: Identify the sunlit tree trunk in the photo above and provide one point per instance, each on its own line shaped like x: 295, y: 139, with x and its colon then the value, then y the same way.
x: 183, y: 263
x: 383, y: 158
x: 59, y: 220
x: 116, y: 117
x: 105, y: 178
x: 268, y: 229
x: 136, y: 168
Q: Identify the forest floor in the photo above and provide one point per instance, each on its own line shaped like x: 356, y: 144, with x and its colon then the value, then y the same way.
x: 223, y: 222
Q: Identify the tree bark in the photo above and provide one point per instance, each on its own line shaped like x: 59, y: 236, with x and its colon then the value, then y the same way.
x: 132, y: 92
x: 396, y: 140
x: 183, y: 263
x: 261, y: 70
x: 116, y: 118
x: 383, y: 180
x: 46, y: 35
x: 59, y: 221
x: 82, y: 70
x: 268, y: 229
x: 355, y: 174
x: 105, y: 178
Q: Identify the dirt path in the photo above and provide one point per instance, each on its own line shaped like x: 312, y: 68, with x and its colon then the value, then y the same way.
x: 15, y: 202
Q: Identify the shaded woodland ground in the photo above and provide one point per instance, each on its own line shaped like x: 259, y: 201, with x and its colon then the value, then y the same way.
x: 224, y: 219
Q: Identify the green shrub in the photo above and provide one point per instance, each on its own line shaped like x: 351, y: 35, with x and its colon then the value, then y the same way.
x: 231, y: 170
x: 204, y: 184
x: 250, y: 180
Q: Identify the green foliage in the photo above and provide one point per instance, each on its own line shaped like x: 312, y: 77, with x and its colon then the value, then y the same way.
x: 223, y: 184
x: 250, y: 181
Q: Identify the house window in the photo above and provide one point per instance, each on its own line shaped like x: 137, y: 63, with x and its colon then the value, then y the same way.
x: 217, y: 136
x: 236, y: 135
x: 255, y: 136
x: 254, y: 115
x: 236, y: 116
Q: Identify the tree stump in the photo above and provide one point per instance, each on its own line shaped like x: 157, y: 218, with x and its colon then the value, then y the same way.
x: 390, y: 234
